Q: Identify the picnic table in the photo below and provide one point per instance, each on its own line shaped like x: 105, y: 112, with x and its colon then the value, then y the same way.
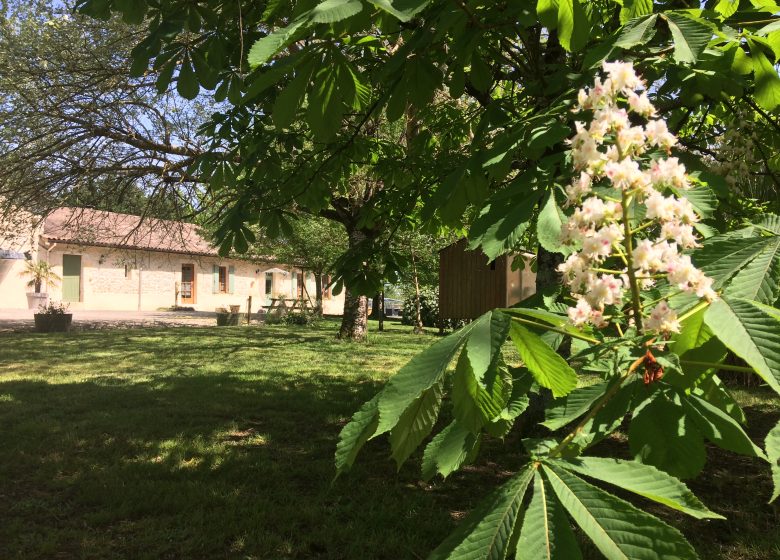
x: 280, y: 305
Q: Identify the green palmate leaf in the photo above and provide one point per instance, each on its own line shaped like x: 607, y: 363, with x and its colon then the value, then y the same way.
x: 329, y: 11
x: 637, y: 32
x: 266, y: 47
x: 759, y: 280
x: 560, y: 322
x: 477, y: 402
x: 332, y: 11
x: 618, y: 529
x: 547, y: 367
x: 610, y: 416
x: 662, y: 435
x: 767, y: 80
x: 415, y: 424
x: 547, y: 10
x: 352, y: 437
x: 503, y: 221
x: 485, y: 342
x: 720, y: 428
x: 326, y: 104
x: 702, y: 199
x: 404, y: 10
x: 635, y: 8
x: 422, y: 372
x: 722, y: 259
x: 695, y: 345
x: 487, y: 531
x: 772, y: 444
x: 287, y: 103
x: 690, y: 36
x: 573, y: 25
x: 711, y: 389
x: 727, y: 8
x: 751, y: 333
x: 548, y: 227
x: 480, y: 75
x: 770, y: 223
x: 644, y: 480
x: 572, y: 406
x: 546, y: 533
x: 448, y: 450
x: 187, y: 83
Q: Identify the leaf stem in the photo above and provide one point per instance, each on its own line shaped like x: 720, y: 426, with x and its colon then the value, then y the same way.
x: 643, y: 226
x: 555, y: 329
x: 718, y: 366
x: 606, y: 397
x: 695, y: 309
x: 635, y: 301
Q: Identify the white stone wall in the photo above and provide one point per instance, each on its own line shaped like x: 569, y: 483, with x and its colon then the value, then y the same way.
x: 13, y: 287
x: 106, y: 286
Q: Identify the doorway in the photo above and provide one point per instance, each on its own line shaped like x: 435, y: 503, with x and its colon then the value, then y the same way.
x: 71, y: 278
x: 188, y: 283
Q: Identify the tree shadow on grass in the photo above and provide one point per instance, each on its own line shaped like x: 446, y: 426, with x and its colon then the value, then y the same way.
x: 194, y: 444
x: 201, y: 467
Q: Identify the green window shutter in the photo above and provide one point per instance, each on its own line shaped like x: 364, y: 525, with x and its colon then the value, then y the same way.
x: 232, y: 279
x: 215, y: 279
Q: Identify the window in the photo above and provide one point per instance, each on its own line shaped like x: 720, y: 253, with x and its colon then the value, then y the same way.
x: 223, y: 280
x: 269, y: 283
x: 299, y: 282
x: 325, y: 286
x: 127, y: 271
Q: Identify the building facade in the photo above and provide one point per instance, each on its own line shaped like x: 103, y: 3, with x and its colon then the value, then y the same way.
x: 110, y: 261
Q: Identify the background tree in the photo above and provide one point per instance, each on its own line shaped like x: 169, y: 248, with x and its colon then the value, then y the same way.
x: 478, y: 93
x: 76, y: 129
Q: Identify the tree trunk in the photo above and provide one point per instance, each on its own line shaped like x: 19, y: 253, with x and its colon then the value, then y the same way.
x: 375, y: 307
x: 418, y: 324
x: 354, y: 322
x: 381, y: 311
x: 547, y: 277
x: 318, y: 294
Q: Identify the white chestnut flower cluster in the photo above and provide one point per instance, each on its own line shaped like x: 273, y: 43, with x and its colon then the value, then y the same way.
x: 736, y: 149
x: 605, y: 152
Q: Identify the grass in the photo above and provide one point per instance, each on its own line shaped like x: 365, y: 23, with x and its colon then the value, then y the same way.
x: 218, y: 443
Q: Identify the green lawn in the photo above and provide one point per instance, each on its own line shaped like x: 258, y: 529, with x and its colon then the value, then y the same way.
x: 218, y: 443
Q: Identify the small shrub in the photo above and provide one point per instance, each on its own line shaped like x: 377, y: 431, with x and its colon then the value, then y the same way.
x: 53, y: 308
x: 429, y: 310
x: 302, y: 319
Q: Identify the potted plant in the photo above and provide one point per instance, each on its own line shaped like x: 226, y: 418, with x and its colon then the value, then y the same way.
x: 227, y: 317
x: 53, y: 317
x: 40, y: 272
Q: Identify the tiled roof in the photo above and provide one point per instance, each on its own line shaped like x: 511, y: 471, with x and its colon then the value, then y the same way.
x: 85, y: 226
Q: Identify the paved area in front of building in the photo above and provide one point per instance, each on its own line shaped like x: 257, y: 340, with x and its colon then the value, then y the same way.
x: 22, y: 319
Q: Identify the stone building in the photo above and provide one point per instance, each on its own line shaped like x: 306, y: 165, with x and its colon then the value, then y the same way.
x: 112, y: 261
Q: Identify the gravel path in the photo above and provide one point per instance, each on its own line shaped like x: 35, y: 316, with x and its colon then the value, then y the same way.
x: 12, y: 320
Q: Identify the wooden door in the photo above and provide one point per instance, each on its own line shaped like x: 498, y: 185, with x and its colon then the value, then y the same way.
x: 71, y: 278
x: 188, y: 283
